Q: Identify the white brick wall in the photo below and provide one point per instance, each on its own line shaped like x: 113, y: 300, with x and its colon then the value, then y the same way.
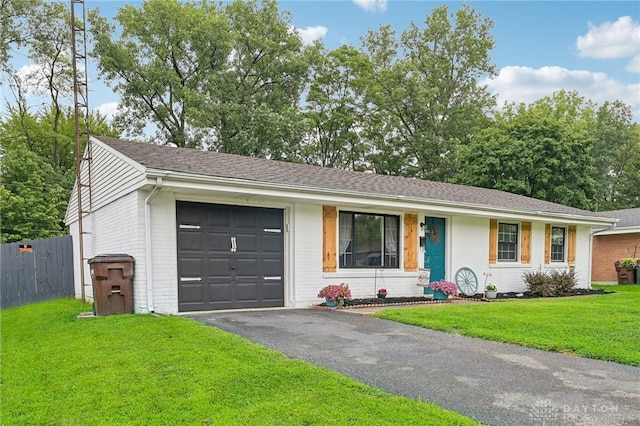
x: 114, y: 229
x: 164, y: 253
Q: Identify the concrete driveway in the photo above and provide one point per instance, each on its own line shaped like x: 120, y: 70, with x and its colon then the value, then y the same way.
x: 494, y: 383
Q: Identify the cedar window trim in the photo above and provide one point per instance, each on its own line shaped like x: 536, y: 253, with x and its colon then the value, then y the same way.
x: 383, y: 255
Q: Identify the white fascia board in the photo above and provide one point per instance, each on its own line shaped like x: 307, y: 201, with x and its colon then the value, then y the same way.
x: 185, y: 181
x: 622, y: 230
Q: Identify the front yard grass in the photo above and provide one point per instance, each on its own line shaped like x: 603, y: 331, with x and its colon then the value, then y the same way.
x: 148, y: 370
x: 605, y: 327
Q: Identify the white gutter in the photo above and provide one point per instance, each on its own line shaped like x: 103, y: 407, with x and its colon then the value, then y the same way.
x: 148, y: 253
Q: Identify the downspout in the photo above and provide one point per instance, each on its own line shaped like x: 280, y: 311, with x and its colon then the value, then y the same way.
x: 148, y: 253
x: 591, y: 234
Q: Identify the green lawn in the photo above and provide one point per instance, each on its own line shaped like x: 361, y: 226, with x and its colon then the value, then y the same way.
x: 604, y: 326
x: 148, y: 370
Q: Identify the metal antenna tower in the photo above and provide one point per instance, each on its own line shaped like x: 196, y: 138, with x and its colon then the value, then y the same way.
x: 81, y: 118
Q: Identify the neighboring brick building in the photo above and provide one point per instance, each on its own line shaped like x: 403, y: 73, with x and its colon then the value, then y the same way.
x: 613, y: 244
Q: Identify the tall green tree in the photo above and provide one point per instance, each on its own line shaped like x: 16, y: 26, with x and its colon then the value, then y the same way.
x: 616, y: 153
x: 32, y: 197
x: 425, y: 100
x: 37, y: 175
x: 252, y: 106
x: 158, y: 61
x: 541, y: 150
x: 335, y: 108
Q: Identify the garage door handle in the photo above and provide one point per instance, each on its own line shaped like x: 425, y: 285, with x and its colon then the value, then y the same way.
x: 234, y: 247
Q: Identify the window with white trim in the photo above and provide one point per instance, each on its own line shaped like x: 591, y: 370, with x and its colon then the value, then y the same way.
x: 368, y: 240
x: 558, y: 244
x: 507, y: 242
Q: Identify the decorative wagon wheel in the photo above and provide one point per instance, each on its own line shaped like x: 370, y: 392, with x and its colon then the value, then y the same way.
x: 467, y: 281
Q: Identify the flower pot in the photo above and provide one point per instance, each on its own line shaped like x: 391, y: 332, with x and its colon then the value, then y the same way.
x: 491, y: 294
x: 331, y: 303
x: 439, y: 295
x: 382, y: 295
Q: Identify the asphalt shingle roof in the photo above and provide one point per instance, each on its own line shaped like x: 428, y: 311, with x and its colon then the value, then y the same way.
x: 628, y: 217
x: 215, y: 164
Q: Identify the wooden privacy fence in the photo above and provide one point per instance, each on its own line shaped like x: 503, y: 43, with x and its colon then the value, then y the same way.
x: 34, y: 271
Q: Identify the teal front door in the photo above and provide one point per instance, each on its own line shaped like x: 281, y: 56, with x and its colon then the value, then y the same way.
x: 434, y: 247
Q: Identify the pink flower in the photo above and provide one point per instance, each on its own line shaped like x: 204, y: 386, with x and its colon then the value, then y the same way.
x: 446, y: 287
x: 335, y: 292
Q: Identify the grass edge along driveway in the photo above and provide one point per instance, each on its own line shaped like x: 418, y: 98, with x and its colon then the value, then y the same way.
x: 149, y: 370
x: 602, y: 327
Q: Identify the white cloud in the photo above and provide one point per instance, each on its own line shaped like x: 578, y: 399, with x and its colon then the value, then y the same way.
x: 372, y: 5
x: 524, y: 84
x: 620, y: 39
x: 311, y: 34
x: 634, y: 65
x: 109, y: 109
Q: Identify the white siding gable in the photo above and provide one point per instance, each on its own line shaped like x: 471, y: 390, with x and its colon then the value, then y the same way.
x: 112, y: 176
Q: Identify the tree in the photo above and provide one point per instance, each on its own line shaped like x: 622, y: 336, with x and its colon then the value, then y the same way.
x: 252, y: 106
x: 335, y: 109
x: 32, y: 197
x: 616, y: 152
x: 158, y: 63
x: 425, y: 98
x: 541, y: 150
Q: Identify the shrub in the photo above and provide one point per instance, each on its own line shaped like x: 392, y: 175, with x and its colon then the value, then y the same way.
x: 562, y: 282
x: 552, y: 283
x: 538, y: 283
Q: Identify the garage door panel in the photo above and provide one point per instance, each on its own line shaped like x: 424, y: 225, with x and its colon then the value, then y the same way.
x: 219, y: 242
x: 190, y: 241
x: 190, y: 267
x: 218, y: 216
x: 272, y: 243
x: 247, y: 291
x: 272, y: 267
x: 191, y: 292
x: 247, y: 217
x: 219, y: 268
x: 272, y: 290
x: 246, y: 243
x: 220, y: 292
x: 247, y: 267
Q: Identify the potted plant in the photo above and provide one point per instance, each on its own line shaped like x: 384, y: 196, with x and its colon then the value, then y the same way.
x: 626, y: 270
x: 382, y: 293
x: 335, y: 294
x: 443, y: 289
x: 491, y: 291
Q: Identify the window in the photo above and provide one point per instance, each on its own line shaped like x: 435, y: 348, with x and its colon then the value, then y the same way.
x: 507, y: 242
x: 557, y: 244
x: 368, y: 240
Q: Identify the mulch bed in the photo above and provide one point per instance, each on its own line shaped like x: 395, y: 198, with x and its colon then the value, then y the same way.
x: 419, y: 300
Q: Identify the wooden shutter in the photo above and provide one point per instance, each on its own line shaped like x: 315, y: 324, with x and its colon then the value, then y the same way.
x: 410, y: 243
x: 493, y: 241
x: 329, y: 226
x: 571, y: 256
x: 525, y: 243
x: 547, y: 244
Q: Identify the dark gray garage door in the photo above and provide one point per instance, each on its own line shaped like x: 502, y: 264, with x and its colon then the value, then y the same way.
x: 229, y: 257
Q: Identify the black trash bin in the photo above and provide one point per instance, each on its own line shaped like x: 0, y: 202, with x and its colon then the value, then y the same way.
x: 112, y: 276
x: 638, y: 271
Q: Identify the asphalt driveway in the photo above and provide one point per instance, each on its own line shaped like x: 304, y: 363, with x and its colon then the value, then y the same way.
x: 494, y: 383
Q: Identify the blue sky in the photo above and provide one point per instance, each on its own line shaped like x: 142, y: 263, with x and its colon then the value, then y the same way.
x: 541, y: 46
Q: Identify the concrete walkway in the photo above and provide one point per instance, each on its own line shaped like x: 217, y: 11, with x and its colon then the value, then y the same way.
x: 494, y: 383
